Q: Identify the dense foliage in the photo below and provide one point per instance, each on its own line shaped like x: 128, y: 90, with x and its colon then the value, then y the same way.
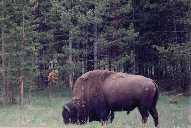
x: 145, y: 37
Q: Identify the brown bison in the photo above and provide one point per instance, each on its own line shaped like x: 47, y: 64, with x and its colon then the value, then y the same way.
x: 99, y: 93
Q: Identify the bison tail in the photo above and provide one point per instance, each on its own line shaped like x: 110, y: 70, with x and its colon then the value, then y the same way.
x: 156, y: 96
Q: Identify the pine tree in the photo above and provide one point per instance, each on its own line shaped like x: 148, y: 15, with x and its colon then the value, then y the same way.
x: 17, y: 48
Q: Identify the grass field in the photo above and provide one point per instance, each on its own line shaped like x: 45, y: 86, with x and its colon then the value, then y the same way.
x: 46, y: 113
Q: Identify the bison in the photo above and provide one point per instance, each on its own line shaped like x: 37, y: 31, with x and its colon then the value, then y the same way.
x: 99, y: 93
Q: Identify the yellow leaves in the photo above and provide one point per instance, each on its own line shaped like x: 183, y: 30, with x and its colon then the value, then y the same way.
x: 53, y: 75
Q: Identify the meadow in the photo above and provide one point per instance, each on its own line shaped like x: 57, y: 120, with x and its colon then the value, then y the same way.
x: 44, y: 112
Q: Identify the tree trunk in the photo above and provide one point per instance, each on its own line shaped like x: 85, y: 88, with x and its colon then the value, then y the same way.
x: 3, y: 68
x: 70, y: 61
x: 30, y: 93
x: 50, y: 84
x: 95, y: 47
x: 83, y: 66
x: 21, y: 90
x: 109, y: 60
x: 132, y: 58
x: 21, y: 83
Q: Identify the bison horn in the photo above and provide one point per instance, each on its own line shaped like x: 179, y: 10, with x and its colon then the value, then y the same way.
x: 67, y: 108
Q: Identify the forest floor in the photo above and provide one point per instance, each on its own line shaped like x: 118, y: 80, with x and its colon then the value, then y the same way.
x: 44, y: 112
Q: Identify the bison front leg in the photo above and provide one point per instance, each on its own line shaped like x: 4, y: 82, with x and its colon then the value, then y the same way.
x: 144, y: 125
x: 144, y: 122
x: 103, y: 124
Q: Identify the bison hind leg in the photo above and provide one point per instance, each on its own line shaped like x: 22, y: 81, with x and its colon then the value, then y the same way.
x: 154, y: 114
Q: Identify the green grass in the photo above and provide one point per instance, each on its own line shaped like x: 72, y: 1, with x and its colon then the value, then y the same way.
x: 46, y: 113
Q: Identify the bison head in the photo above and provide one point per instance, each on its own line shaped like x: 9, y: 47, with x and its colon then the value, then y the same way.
x: 69, y: 113
x: 77, y: 115
x: 73, y: 114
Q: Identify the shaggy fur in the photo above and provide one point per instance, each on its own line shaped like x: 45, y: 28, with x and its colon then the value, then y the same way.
x: 88, y: 86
